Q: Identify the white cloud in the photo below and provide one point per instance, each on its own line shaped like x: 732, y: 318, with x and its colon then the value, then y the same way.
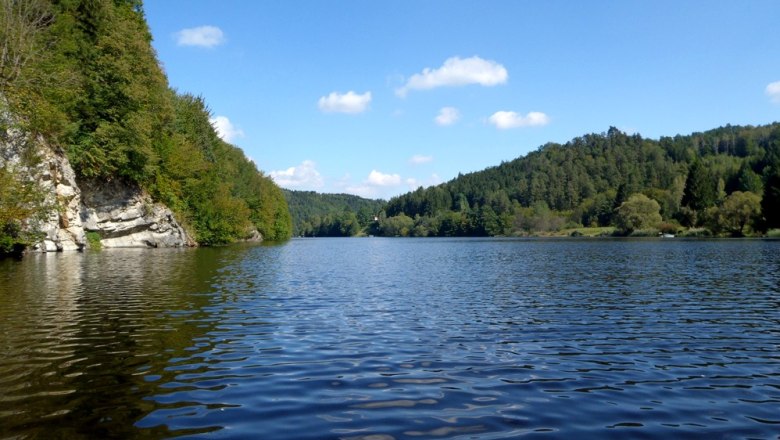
x: 773, y: 91
x: 376, y: 178
x: 381, y: 185
x: 365, y: 191
x: 414, y: 183
x: 504, y: 120
x: 447, y: 116
x: 202, y: 36
x: 419, y: 159
x: 349, y: 102
x: 225, y: 129
x: 457, y: 71
x: 304, y: 175
x: 376, y: 185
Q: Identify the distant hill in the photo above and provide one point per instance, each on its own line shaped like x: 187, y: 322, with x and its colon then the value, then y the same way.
x: 700, y: 181
x: 330, y: 215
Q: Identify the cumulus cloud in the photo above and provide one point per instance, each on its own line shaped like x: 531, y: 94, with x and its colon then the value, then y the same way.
x: 377, y: 178
x: 773, y: 92
x: 447, y: 116
x: 303, y: 175
x: 202, y: 36
x: 457, y: 71
x: 419, y: 159
x: 381, y: 185
x: 349, y: 102
x: 365, y: 191
x: 225, y: 129
x: 413, y: 183
x: 504, y: 120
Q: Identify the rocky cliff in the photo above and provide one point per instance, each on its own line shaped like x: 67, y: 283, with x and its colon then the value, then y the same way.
x: 120, y: 215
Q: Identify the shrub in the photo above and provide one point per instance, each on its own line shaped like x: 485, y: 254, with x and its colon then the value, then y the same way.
x: 93, y: 240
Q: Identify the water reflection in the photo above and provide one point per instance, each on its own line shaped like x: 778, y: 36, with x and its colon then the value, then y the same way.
x: 381, y: 338
x: 81, y: 334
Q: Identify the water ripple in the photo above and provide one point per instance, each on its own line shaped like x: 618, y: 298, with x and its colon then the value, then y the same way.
x: 392, y: 339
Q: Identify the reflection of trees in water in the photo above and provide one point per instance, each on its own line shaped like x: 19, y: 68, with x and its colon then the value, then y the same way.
x: 84, y: 333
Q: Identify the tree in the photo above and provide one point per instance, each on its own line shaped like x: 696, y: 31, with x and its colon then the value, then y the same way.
x: 770, y: 203
x: 700, y: 193
x: 638, y: 212
x: 700, y: 188
x: 21, y: 22
x: 398, y: 226
x: 748, y: 180
x: 589, y: 177
x: 739, y: 209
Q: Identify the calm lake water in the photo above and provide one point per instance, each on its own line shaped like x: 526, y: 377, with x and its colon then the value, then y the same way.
x: 374, y: 338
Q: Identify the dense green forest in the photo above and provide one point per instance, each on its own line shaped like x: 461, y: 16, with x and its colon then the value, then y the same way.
x: 331, y: 215
x: 724, y: 181
x: 82, y: 75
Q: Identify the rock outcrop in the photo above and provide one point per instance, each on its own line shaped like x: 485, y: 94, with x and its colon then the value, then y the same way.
x: 63, y: 230
x: 125, y: 216
x: 120, y: 214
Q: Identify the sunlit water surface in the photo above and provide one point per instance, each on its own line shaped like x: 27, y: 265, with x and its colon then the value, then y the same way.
x: 395, y: 338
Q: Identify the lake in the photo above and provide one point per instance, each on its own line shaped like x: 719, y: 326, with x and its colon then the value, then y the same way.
x: 381, y: 338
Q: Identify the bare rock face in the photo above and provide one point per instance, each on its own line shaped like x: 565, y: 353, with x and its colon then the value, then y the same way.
x: 124, y: 216
x: 33, y: 160
x: 63, y: 228
x: 121, y: 214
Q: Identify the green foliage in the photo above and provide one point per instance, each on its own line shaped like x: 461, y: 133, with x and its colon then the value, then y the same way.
x: 739, y: 209
x: 749, y: 180
x: 400, y: 225
x: 583, y: 181
x: 538, y: 218
x: 669, y: 227
x: 217, y: 190
x: 22, y: 25
x: 121, y: 101
x: 700, y: 188
x: 637, y: 213
x: 330, y: 215
x: 93, y: 240
x: 770, y: 203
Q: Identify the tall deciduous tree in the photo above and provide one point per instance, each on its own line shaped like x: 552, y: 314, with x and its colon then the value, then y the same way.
x: 739, y: 210
x: 21, y: 23
x: 638, y: 212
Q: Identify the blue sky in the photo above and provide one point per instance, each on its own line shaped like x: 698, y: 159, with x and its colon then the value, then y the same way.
x: 376, y: 98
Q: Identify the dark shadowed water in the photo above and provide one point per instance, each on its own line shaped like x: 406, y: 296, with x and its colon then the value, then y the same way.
x: 380, y: 339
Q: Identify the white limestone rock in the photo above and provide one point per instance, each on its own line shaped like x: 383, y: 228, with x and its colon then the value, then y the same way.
x: 122, y: 214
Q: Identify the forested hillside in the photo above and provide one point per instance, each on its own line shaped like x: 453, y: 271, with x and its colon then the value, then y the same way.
x: 330, y: 215
x: 82, y: 75
x: 723, y: 181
